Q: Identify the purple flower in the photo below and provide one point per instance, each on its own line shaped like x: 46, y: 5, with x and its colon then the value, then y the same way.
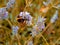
x: 39, y: 26
x: 54, y: 18
x: 15, y: 29
x: 3, y: 13
x: 27, y: 16
x: 40, y: 23
x: 12, y: 1
x: 10, y: 4
x: 34, y: 31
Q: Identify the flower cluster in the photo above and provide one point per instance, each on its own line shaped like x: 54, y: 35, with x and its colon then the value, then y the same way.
x: 28, y: 28
x: 55, y: 16
x: 3, y: 13
x: 39, y: 26
x: 27, y: 16
x: 40, y: 23
x: 34, y: 31
x: 10, y: 4
x: 15, y: 29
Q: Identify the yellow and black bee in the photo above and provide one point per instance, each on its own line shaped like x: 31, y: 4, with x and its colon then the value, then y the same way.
x: 20, y: 19
x: 21, y: 22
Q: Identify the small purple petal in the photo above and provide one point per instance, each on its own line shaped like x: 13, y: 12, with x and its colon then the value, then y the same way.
x: 3, y: 13
x: 15, y: 29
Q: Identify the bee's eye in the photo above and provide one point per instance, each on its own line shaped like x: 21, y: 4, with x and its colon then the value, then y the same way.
x: 20, y: 20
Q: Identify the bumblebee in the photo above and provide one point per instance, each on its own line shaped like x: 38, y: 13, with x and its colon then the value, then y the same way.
x: 20, y: 19
x: 21, y: 22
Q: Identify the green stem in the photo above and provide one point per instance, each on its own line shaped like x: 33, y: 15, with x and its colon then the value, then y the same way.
x: 57, y: 40
x: 45, y: 39
x: 9, y: 22
x: 4, y: 27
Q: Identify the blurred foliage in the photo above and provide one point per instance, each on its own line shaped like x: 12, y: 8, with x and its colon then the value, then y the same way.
x: 52, y: 35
